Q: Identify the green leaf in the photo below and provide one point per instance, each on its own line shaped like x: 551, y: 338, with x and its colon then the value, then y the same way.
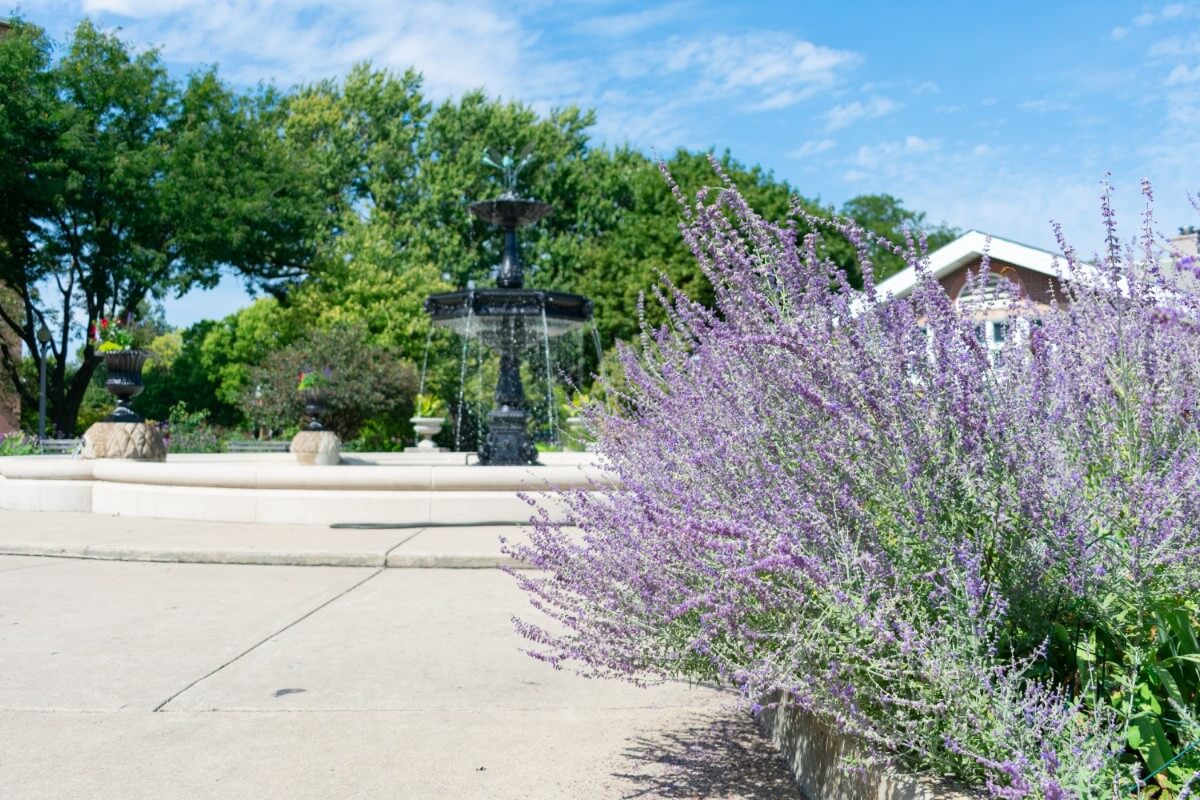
x: 1150, y: 741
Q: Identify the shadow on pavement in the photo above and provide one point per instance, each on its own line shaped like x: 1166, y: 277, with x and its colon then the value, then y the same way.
x: 713, y: 755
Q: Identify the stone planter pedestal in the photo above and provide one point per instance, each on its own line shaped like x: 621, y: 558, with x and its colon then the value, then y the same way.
x: 320, y: 448
x: 427, y: 427
x: 136, y: 441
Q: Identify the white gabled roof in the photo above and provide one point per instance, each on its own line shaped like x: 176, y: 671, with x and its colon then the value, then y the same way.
x: 968, y: 248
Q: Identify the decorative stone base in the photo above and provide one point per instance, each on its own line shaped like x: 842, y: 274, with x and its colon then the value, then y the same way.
x: 430, y: 449
x: 322, y: 448
x: 138, y: 441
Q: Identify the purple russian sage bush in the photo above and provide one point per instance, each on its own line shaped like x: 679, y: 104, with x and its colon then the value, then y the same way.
x: 847, y: 500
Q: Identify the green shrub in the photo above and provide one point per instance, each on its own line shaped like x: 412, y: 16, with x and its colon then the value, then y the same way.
x: 18, y: 444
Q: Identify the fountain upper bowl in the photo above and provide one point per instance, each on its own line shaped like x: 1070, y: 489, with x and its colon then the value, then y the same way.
x: 511, y: 212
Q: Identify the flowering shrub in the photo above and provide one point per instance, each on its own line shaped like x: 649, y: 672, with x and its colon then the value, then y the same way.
x: 18, y: 444
x: 311, y: 379
x: 983, y: 568
x: 114, y: 335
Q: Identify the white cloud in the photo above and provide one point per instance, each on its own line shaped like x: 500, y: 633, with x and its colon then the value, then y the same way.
x: 812, y: 148
x: 847, y: 114
x: 915, y: 144
x: 1183, y: 114
x: 1042, y: 105
x: 137, y: 9
x: 1175, y: 47
x: 1167, y: 12
x: 617, y: 25
x: 757, y: 71
x: 634, y: 119
x: 1181, y: 74
x: 457, y: 45
x: 874, y: 156
x: 928, y: 87
x: 780, y: 100
x: 1118, y: 33
x: 771, y: 63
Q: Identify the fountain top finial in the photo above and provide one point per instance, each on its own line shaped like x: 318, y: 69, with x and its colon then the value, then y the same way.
x: 509, y: 210
x: 510, y: 166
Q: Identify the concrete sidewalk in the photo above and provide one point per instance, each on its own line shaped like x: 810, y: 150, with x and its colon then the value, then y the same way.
x: 156, y: 680
x: 98, y: 536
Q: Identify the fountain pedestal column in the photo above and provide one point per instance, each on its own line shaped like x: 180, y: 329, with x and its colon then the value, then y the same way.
x: 507, y: 441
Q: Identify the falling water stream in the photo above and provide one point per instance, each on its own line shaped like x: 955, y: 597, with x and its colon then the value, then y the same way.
x: 462, y: 378
x: 552, y: 410
x: 425, y: 361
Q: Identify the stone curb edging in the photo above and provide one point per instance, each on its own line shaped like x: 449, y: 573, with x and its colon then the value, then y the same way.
x: 266, y: 558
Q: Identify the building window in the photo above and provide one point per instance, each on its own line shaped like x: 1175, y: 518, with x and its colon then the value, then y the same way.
x: 989, y: 291
x: 999, y: 332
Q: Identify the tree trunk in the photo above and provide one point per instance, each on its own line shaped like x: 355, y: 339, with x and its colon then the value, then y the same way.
x: 66, y: 409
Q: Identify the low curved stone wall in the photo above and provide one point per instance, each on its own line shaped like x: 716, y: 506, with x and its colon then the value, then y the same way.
x: 383, y: 489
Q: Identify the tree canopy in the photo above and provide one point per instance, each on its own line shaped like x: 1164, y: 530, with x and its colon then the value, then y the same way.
x: 121, y: 184
x: 346, y: 201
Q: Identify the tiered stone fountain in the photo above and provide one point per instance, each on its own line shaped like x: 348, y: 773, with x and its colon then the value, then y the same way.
x: 509, y: 318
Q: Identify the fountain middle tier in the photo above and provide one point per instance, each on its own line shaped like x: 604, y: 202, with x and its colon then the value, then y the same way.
x: 488, y: 314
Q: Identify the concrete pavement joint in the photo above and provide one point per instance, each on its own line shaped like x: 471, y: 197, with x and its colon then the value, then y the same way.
x: 402, y: 542
x: 266, y: 639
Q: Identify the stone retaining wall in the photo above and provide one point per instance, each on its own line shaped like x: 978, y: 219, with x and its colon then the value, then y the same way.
x: 814, y: 753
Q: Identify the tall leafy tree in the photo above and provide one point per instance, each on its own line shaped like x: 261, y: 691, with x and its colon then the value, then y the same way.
x: 885, y: 216
x: 121, y: 184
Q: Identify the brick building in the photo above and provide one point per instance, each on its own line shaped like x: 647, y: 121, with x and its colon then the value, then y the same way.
x: 10, y: 402
x: 1027, y: 271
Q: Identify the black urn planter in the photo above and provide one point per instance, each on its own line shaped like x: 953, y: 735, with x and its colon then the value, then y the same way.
x: 316, y: 403
x: 125, y: 382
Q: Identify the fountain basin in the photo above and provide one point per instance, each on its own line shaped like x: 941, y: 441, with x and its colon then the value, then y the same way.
x: 370, y: 488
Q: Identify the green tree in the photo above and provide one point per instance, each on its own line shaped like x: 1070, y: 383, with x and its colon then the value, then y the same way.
x: 642, y: 242
x: 366, y: 381
x: 886, y: 216
x: 208, y: 365
x: 121, y: 185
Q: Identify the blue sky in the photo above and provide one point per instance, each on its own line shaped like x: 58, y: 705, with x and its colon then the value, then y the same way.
x: 996, y: 116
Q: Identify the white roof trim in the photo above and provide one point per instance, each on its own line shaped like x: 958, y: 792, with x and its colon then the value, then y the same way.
x: 970, y: 247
